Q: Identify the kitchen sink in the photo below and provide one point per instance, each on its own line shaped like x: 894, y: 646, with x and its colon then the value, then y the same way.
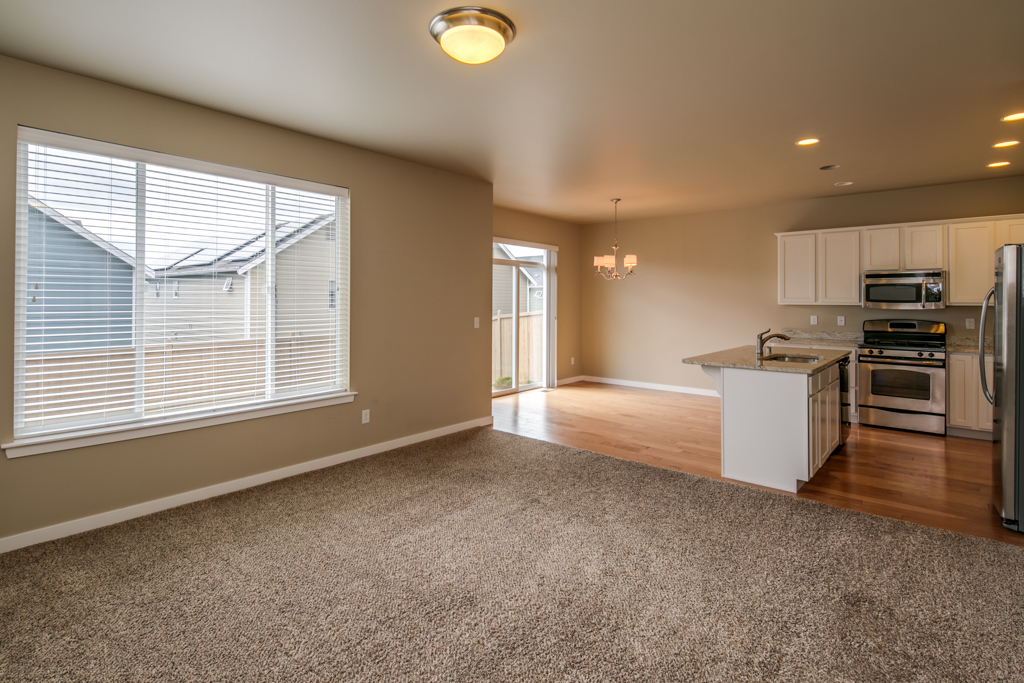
x: 784, y: 358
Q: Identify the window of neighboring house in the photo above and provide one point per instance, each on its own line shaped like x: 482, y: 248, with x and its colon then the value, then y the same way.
x: 126, y: 306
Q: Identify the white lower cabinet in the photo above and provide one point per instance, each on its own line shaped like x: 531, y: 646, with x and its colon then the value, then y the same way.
x: 823, y: 418
x: 966, y: 405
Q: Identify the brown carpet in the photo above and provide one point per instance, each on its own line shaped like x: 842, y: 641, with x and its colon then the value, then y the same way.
x: 485, y: 556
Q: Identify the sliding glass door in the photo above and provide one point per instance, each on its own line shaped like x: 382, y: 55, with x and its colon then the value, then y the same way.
x: 521, y: 318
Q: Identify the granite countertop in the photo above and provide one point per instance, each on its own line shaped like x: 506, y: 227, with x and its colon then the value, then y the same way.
x: 742, y: 357
x: 967, y: 345
x: 852, y: 339
x: 807, y: 341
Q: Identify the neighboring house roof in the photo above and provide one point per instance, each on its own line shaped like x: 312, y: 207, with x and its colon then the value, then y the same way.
x: 237, y: 257
x: 509, y: 255
x: 82, y: 231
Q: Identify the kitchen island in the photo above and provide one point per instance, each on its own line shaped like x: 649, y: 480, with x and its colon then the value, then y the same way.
x: 780, y: 413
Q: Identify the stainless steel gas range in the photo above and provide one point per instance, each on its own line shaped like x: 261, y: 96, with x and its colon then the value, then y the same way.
x: 902, y: 375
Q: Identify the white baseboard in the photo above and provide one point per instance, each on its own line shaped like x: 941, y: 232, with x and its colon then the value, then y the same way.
x: 77, y: 526
x: 641, y: 385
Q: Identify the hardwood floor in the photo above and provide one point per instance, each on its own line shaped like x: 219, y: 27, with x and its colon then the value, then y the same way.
x: 943, y: 482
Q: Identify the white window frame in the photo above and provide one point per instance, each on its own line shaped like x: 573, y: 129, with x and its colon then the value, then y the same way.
x: 550, y: 361
x: 77, y: 437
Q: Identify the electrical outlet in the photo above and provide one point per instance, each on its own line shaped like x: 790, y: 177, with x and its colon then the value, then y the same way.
x: 572, y: 361
x: 814, y: 320
x: 841, y: 320
x: 970, y: 323
x: 366, y: 416
x: 476, y: 323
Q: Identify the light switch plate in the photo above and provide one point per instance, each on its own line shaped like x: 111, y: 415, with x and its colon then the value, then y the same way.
x: 476, y: 323
x: 814, y: 320
x: 572, y: 361
x: 970, y: 323
x: 841, y: 320
x: 366, y: 416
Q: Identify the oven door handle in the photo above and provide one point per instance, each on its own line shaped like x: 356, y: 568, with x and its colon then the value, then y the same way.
x: 981, y: 347
x: 912, y: 364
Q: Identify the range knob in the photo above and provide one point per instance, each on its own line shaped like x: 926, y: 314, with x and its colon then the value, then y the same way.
x: 880, y: 352
x: 871, y: 352
x: 919, y: 354
x: 931, y: 355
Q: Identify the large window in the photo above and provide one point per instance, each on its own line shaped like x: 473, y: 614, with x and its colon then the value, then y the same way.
x: 153, y: 289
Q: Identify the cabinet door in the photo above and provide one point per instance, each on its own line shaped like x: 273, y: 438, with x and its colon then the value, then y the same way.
x: 881, y: 249
x: 961, y: 394
x: 971, y: 261
x: 924, y: 247
x: 834, y: 424
x: 823, y: 425
x: 814, y: 435
x: 1009, y: 231
x: 984, y: 407
x: 797, y: 268
x: 839, y: 267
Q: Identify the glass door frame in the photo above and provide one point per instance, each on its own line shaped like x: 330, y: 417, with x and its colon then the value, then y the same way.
x: 549, y: 266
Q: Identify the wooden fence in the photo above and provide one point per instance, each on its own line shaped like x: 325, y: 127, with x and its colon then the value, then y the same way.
x: 531, y: 347
x: 176, y: 377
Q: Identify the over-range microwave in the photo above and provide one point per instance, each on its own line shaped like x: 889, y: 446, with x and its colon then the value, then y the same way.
x: 906, y: 290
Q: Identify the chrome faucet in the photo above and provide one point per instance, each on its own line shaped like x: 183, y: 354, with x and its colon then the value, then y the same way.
x: 762, y: 340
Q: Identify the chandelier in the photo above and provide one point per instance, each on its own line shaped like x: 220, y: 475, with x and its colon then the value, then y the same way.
x: 606, y: 265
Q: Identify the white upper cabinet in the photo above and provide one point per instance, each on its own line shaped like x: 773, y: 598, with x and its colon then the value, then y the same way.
x: 797, y: 268
x: 839, y: 267
x: 827, y: 266
x: 971, y: 265
x: 1009, y: 231
x: 924, y: 247
x: 881, y: 249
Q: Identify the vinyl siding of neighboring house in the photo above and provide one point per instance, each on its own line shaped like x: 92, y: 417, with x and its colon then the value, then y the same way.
x: 80, y: 295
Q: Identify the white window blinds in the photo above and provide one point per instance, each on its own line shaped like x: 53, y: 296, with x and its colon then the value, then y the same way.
x: 152, y: 288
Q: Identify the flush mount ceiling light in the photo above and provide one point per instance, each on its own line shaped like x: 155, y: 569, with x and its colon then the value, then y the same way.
x: 1008, y: 143
x: 830, y: 167
x: 1014, y: 117
x: 808, y: 141
x: 997, y: 164
x: 844, y: 183
x: 606, y: 264
x: 472, y: 35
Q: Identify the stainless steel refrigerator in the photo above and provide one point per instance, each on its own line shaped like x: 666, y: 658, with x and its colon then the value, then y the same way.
x: 1007, y: 392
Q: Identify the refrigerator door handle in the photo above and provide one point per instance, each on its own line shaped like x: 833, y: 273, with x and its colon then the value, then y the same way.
x: 981, y: 347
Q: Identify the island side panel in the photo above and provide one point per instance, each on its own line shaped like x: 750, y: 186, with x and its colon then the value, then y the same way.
x: 765, y: 427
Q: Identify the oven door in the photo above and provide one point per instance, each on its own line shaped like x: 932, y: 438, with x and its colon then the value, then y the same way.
x: 903, y: 386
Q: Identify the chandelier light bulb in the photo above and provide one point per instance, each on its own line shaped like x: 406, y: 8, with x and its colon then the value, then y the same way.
x: 605, y: 265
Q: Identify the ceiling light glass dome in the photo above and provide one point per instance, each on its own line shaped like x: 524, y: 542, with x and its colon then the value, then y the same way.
x: 472, y: 35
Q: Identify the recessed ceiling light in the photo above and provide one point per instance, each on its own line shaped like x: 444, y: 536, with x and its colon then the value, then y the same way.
x: 808, y: 141
x: 844, y: 183
x: 1008, y: 143
x: 1014, y: 117
x: 996, y: 164
x: 830, y: 167
x: 472, y: 35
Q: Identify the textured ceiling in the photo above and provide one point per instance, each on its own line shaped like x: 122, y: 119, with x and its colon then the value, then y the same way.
x: 675, y: 106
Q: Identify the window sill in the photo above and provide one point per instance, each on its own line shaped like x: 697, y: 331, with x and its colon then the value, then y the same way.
x: 99, y: 435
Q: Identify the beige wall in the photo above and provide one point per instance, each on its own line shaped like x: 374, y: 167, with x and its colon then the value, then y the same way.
x: 566, y: 236
x: 708, y: 281
x: 417, y: 365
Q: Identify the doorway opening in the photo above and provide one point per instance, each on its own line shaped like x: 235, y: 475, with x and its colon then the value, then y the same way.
x: 522, y: 316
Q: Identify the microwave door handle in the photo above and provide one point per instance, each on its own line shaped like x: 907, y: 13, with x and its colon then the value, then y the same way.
x: 981, y: 347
